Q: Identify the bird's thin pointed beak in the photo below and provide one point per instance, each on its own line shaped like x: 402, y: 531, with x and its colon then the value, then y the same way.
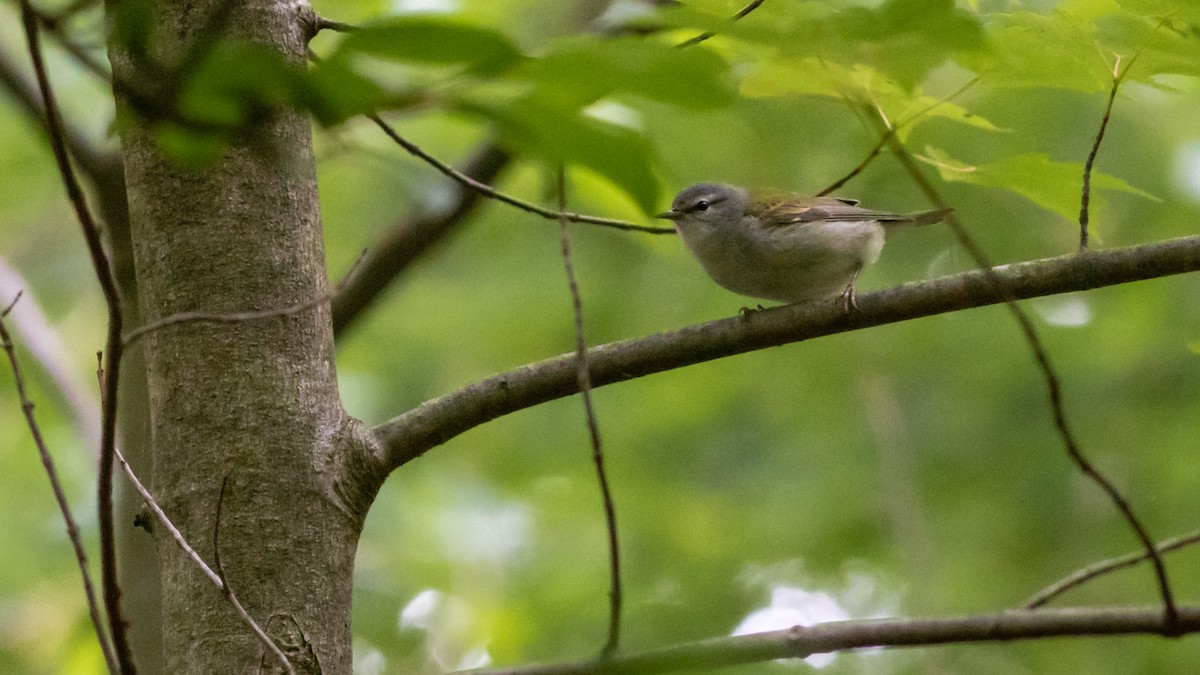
x: 669, y: 215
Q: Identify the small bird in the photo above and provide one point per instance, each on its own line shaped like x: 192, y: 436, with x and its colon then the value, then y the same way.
x: 782, y: 246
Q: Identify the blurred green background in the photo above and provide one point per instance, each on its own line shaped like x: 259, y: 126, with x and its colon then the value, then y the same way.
x: 907, y: 470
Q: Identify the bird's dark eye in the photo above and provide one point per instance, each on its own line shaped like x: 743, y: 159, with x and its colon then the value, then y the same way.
x: 701, y: 205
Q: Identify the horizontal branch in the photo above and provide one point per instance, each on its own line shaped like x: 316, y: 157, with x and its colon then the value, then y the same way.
x: 801, y: 641
x: 436, y: 421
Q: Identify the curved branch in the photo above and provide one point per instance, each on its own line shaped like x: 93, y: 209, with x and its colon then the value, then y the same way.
x: 803, y: 641
x: 584, y: 379
x: 491, y: 192
x: 408, y: 241
x: 436, y: 421
x: 1103, y: 567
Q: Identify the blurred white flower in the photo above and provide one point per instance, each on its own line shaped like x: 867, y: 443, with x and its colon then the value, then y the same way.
x: 1068, y: 311
x: 418, y: 610
x: 485, y: 530
x: 792, y: 606
x: 368, y: 661
x: 451, y: 631
x: 428, y: 6
x: 1187, y: 169
x: 861, y: 596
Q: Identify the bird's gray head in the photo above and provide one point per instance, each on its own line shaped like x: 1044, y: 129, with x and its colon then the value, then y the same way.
x: 711, y: 204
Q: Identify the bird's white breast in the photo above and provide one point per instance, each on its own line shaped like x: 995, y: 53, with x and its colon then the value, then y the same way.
x: 804, y: 261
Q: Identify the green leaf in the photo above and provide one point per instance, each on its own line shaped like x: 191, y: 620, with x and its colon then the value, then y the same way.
x: 564, y: 134
x: 584, y: 69
x: 132, y: 24
x: 237, y: 84
x: 694, y: 18
x: 1079, y: 45
x: 928, y: 107
x: 1058, y: 50
x: 188, y: 147
x: 334, y: 91
x: 1151, y: 46
x: 904, y: 39
x: 435, y: 40
x: 1174, y: 9
x: 860, y: 83
x: 1053, y: 185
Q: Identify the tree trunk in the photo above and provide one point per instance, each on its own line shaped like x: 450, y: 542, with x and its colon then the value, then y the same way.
x: 252, y: 404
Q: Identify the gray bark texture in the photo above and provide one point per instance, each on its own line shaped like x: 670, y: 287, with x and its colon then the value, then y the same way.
x: 253, y: 404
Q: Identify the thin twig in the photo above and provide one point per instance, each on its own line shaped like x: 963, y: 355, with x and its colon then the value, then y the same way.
x: 891, y: 131
x: 1053, y: 386
x: 31, y: 328
x: 708, y: 34
x: 228, y: 590
x: 238, y: 317
x: 1103, y: 567
x: 113, y: 348
x: 59, y: 496
x: 489, y: 191
x: 584, y: 380
x: 853, y: 173
x: 54, y: 25
x: 165, y: 521
x: 335, y: 26
x: 9, y: 307
x: 217, y: 580
x: 1086, y: 193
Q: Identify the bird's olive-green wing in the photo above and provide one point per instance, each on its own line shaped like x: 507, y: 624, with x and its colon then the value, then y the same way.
x: 784, y: 208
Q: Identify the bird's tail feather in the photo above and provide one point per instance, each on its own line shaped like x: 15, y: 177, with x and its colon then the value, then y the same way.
x: 930, y: 217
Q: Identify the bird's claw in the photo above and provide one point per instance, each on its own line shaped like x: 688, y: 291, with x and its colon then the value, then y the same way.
x: 850, y: 295
x: 849, y: 299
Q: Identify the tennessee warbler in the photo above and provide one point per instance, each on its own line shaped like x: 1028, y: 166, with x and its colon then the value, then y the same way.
x: 782, y: 246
